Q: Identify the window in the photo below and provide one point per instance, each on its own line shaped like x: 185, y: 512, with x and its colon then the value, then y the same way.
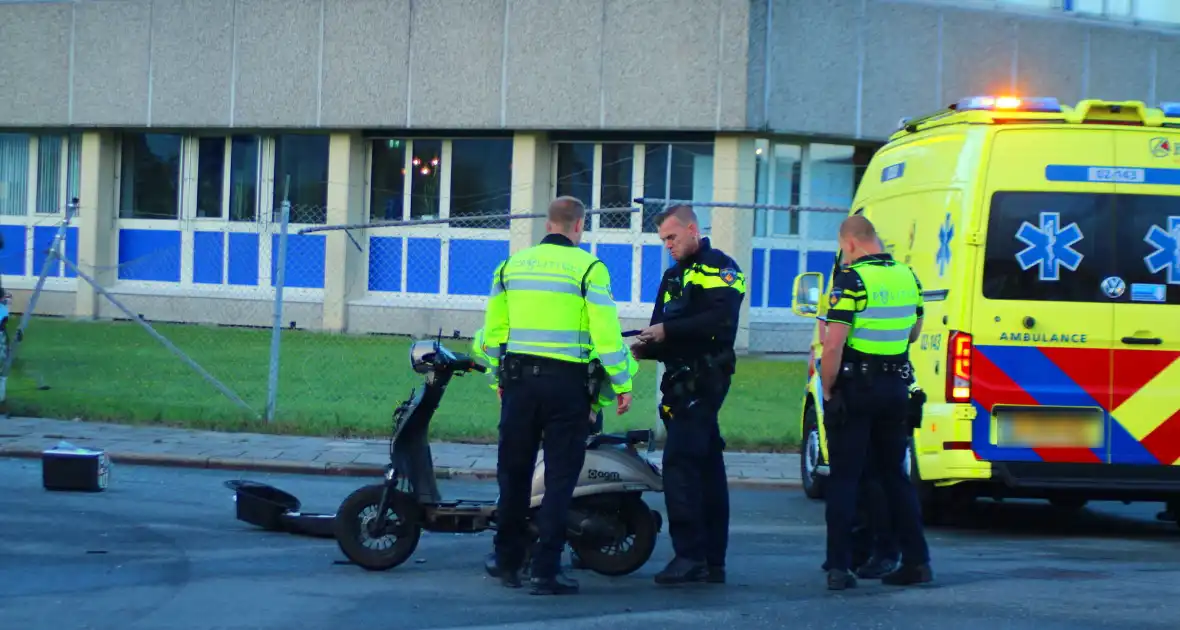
x: 600, y: 174
x: 14, y: 174
x: 1148, y: 250
x: 233, y: 160
x: 481, y: 181
x: 779, y: 173
x: 1163, y: 11
x: 835, y: 173
x: 436, y: 178
x: 301, y: 176
x: 1112, y: 8
x: 677, y: 171
x: 150, y: 176
x: 1046, y: 246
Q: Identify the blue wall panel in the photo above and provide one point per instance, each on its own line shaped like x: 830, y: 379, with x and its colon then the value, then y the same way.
x: 821, y: 261
x: 149, y: 255
x: 12, y: 257
x: 784, y: 266
x: 243, y: 258
x: 650, y: 271
x: 584, y: 246
x: 305, y: 261
x: 423, y: 265
x: 756, y: 276
x: 43, y: 236
x: 208, y: 257
x: 385, y: 263
x: 71, y: 251
x: 471, y: 263
x: 617, y: 259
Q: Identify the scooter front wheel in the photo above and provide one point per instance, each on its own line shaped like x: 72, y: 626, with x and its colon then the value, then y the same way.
x: 373, y: 550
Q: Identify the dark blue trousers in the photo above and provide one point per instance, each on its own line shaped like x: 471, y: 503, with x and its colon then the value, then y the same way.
x: 696, y: 489
x: 550, y: 408
x: 873, y: 434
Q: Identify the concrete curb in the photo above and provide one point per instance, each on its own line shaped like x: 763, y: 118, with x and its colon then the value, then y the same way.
x: 328, y: 468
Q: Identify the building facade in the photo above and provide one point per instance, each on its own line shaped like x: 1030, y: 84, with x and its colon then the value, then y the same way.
x: 181, y: 125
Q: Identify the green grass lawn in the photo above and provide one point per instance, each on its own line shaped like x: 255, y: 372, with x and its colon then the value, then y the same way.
x: 339, y: 385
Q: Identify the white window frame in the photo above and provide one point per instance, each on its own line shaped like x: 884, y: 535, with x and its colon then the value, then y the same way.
x: 188, y: 223
x: 36, y: 217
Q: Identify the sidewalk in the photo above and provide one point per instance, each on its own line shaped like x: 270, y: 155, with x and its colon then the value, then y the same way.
x: 158, y: 446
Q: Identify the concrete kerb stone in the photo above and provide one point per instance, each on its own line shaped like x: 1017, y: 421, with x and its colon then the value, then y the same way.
x: 318, y: 468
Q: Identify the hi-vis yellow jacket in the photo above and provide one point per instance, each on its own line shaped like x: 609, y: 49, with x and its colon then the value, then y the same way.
x: 553, y: 300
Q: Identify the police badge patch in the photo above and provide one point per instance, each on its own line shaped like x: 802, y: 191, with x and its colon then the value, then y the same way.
x: 834, y: 297
x: 729, y: 276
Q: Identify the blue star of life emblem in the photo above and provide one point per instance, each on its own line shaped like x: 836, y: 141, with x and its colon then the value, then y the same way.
x: 1050, y: 247
x: 945, y: 233
x: 1167, y: 250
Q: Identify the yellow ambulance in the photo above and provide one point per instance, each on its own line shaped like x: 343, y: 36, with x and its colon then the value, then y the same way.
x: 1047, y: 241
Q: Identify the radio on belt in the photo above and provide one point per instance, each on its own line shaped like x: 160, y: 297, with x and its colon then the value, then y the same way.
x: 67, y: 467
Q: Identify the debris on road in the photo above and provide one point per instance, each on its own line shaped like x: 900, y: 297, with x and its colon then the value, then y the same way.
x: 275, y: 510
x: 68, y: 467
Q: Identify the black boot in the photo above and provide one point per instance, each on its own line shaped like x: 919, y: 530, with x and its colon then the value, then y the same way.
x: 559, y: 584
x: 682, y: 570
x: 716, y: 574
x: 908, y: 574
x: 876, y: 567
x: 509, y: 577
x: 839, y: 580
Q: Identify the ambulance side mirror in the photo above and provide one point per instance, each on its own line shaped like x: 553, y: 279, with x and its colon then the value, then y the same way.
x: 808, y: 287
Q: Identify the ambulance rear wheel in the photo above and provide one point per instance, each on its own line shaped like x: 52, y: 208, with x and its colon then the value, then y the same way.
x: 811, y: 456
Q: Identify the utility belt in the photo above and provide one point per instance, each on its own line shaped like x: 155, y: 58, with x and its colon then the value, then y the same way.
x: 515, y: 367
x: 867, y: 368
x: 685, y: 379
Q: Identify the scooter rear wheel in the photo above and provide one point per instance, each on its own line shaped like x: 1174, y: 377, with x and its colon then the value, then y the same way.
x: 639, y: 524
x: 381, y: 552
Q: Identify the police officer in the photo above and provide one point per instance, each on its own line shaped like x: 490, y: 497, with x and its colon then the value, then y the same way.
x: 874, y: 313
x: 692, y: 333
x: 550, y: 305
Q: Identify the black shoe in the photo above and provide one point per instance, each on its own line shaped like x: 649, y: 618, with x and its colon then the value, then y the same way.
x: 876, y: 567
x: 715, y: 574
x: 839, y: 580
x: 908, y: 574
x: 576, y: 561
x: 682, y: 570
x: 509, y: 577
x: 556, y: 585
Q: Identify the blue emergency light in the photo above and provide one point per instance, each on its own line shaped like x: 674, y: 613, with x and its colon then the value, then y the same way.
x: 1171, y: 109
x: 1046, y: 104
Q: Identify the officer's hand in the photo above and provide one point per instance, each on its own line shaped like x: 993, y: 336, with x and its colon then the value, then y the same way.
x: 639, y: 351
x: 624, y: 403
x: 652, y: 333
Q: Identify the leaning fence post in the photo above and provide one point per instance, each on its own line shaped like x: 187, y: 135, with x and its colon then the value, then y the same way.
x: 272, y: 389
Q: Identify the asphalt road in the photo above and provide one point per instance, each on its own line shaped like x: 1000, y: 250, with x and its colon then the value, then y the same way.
x: 161, y: 549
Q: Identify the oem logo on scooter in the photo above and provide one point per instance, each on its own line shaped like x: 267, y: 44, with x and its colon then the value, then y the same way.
x: 604, y: 475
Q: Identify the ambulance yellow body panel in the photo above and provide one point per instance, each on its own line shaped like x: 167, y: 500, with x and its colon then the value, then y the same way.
x: 1047, y: 241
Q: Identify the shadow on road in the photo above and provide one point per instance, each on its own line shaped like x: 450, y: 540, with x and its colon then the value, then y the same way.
x: 994, y: 519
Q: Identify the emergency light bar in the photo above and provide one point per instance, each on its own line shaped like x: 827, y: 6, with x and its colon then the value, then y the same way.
x: 1171, y: 109
x: 1009, y: 103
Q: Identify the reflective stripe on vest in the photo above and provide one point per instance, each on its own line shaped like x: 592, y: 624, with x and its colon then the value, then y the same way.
x: 891, y: 294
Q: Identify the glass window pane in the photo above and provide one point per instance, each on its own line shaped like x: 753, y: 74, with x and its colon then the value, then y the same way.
x: 387, y: 180
x: 692, y: 178
x: 761, y: 182
x: 481, y: 181
x: 302, y: 161
x: 835, y: 171
x: 210, y: 176
x: 618, y: 162
x: 243, y: 178
x: 575, y: 170
x: 14, y: 174
x: 655, y: 183
x: 786, y: 186
x: 1087, y: 6
x: 49, y: 174
x: 1146, y: 231
x: 1017, y: 217
x: 425, y: 179
x: 150, y: 176
x: 74, y: 168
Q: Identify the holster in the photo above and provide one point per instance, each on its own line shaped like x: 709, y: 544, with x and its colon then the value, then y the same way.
x: 596, y: 378
x: 917, y: 399
x: 836, y: 409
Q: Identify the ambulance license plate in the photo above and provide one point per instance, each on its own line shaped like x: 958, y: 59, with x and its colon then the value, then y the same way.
x: 1050, y: 428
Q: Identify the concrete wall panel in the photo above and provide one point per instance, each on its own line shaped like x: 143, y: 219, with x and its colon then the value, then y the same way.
x: 366, y: 63
x: 35, y: 64
x: 112, y: 62
x: 192, y: 62
x: 456, y: 63
x: 278, y: 62
x: 898, y: 67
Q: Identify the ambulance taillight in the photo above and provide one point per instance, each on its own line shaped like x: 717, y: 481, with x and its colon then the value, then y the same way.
x: 958, y: 374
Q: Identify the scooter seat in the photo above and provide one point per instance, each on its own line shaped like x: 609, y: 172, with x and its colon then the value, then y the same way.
x: 629, y: 438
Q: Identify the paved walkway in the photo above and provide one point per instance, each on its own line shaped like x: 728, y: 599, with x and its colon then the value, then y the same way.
x: 27, y: 437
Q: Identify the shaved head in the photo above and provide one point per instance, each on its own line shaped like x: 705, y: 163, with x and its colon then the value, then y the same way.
x: 683, y: 213
x: 858, y: 238
x: 679, y: 231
